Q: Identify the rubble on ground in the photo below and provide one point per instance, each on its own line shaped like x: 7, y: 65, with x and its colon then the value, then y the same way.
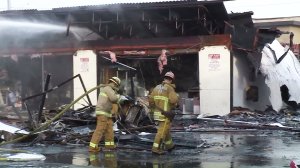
x: 135, y: 129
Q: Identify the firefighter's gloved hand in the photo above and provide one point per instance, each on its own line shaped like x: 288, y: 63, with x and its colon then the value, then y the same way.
x: 122, y: 98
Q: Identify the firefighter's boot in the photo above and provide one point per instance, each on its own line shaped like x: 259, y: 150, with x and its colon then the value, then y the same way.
x: 94, y: 150
x: 158, y: 151
x: 109, y: 148
x: 170, y: 147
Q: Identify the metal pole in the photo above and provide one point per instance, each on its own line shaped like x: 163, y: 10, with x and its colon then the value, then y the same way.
x: 43, y: 76
x: 30, y: 118
x: 132, y: 85
x: 84, y: 88
x: 43, y: 97
x: 120, y: 64
x: 50, y: 90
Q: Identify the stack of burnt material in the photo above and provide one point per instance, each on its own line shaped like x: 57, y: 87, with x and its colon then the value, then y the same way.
x: 243, y: 118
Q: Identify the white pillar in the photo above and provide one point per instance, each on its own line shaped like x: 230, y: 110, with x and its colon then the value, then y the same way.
x: 85, y: 64
x: 215, y: 78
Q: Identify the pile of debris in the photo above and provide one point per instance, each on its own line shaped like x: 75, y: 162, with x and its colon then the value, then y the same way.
x: 134, y: 124
x: 133, y: 127
x: 243, y: 118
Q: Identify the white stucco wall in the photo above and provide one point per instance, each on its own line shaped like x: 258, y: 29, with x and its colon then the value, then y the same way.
x: 241, y: 80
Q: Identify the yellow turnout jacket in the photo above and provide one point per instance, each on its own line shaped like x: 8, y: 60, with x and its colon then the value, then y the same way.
x: 163, y: 97
x: 108, y: 95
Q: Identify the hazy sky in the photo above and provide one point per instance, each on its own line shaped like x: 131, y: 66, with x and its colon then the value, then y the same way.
x: 265, y: 8
x: 261, y: 8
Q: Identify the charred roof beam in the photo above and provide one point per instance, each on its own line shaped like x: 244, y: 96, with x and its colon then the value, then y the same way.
x: 164, y: 16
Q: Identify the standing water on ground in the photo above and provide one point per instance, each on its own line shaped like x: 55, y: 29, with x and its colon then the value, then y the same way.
x: 246, y: 149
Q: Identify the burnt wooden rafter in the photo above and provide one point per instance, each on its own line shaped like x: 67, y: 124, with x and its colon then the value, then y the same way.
x: 109, y: 23
x: 157, y: 22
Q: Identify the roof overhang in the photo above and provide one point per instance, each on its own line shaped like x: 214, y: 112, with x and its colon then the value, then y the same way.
x: 145, y: 47
x: 96, y: 27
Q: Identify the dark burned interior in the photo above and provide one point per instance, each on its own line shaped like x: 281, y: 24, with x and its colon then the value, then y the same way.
x: 43, y: 42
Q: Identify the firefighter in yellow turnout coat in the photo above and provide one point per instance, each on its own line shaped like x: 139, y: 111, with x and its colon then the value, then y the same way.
x: 108, y: 95
x: 162, y: 99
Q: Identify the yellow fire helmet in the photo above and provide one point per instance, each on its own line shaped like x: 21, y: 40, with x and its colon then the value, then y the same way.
x: 115, y: 80
x: 170, y: 75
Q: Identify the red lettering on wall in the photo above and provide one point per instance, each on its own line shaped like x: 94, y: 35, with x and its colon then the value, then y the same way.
x: 84, y: 59
x: 214, y: 56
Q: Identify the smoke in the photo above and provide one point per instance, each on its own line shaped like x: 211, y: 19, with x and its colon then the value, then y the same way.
x: 37, y: 33
x: 25, y: 29
x: 20, y: 33
x: 83, y: 34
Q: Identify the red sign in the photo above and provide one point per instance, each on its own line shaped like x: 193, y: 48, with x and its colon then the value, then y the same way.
x: 84, y: 59
x: 214, y: 56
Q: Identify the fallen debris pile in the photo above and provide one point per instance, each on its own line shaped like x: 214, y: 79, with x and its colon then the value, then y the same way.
x: 134, y: 127
x: 243, y: 118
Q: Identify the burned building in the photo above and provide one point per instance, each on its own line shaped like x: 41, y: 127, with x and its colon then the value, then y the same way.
x: 269, y: 75
x: 51, y: 41
x: 214, y: 56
